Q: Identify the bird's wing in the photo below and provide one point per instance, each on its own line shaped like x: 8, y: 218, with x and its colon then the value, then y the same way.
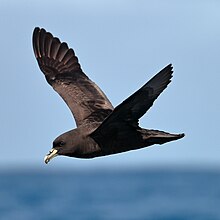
x: 135, y: 106
x: 63, y: 72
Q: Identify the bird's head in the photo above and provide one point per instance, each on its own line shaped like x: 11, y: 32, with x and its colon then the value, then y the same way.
x: 65, y: 144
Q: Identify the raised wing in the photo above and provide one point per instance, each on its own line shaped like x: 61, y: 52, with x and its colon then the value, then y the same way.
x: 63, y: 72
x: 129, y: 111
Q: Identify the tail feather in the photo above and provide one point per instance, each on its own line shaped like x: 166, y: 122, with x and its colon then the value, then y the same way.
x: 159, y: 137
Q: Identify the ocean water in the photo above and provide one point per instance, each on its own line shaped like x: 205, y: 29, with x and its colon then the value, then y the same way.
x: 155, y: 194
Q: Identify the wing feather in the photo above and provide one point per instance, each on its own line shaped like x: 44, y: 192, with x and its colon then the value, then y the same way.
x: 47, y: 44
x: 135, y: 106
x: 54, y: 47
x: 63, y: 72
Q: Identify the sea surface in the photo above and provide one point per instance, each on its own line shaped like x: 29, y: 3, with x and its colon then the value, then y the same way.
x: 154, y: 194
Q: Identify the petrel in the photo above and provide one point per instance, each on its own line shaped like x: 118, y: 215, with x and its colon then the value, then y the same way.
x: 101, y: 128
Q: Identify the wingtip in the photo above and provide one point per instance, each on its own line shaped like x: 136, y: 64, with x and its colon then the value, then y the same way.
x: 36, y: 29
x: 51, y: 52
x: 167, y: 71
x: 35, y: 41
x: 170, y: 67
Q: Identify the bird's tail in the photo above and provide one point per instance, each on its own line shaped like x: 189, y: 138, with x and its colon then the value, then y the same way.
x: 158, y: 137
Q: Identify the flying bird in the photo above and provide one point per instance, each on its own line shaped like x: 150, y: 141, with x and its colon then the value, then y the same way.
x: 101, y: 128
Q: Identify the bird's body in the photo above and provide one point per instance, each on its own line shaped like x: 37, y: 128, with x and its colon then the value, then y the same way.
x: 101, y: 128
x: 86, y: 145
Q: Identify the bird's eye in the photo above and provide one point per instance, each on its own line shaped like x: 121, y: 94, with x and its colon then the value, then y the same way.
x: 62, y: 143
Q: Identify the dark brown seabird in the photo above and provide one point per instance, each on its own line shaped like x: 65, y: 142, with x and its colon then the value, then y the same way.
x: 101, y: 128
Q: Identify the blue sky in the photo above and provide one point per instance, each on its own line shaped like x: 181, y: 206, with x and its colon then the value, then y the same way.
x: 121, y: 45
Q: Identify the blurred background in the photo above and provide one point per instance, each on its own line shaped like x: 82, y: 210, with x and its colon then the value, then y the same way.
x: 120, y: 45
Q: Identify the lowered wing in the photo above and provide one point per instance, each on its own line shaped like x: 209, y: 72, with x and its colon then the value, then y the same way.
x: 129, y: 111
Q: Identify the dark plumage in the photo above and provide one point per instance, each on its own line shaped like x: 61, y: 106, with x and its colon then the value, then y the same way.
x: 101, y: 129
